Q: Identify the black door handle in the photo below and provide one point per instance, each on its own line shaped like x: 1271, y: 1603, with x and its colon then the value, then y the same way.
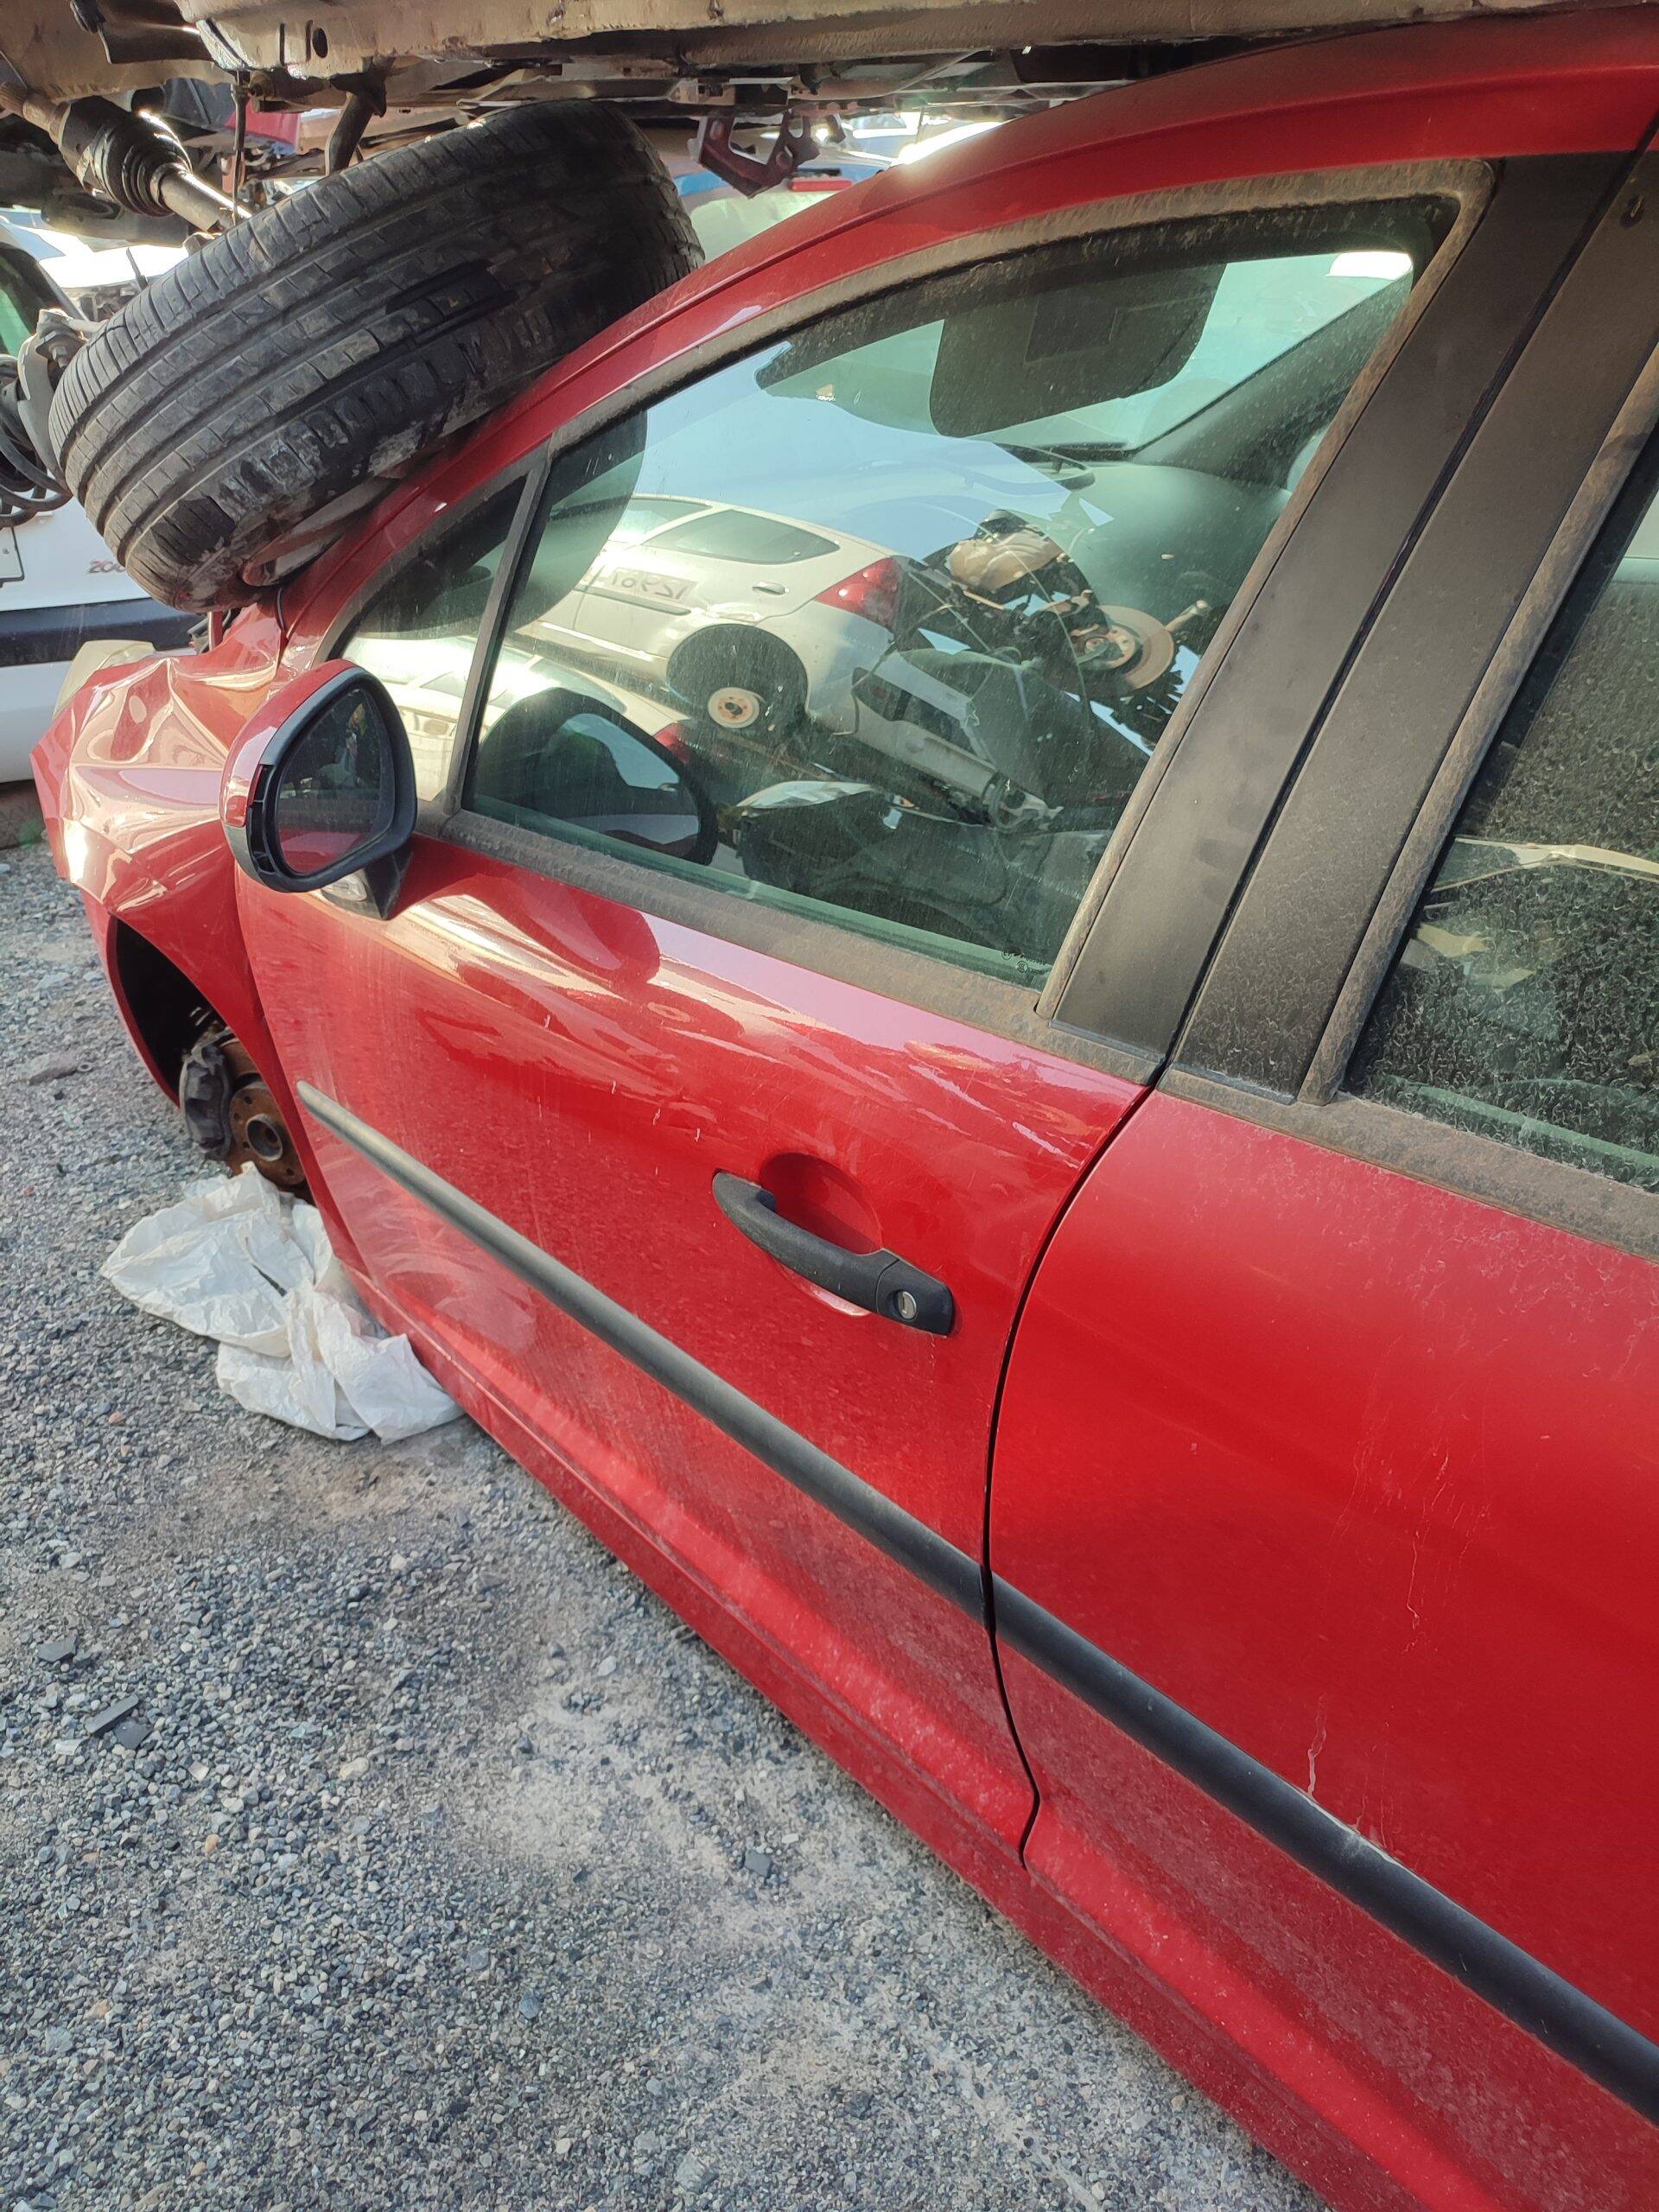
x: 880, y: 1282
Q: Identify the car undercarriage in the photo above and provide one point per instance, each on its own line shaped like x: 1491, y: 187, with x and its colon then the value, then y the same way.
x: 742, y: 72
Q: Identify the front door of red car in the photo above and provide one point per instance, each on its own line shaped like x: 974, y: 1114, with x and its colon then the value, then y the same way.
x: 710, y: 980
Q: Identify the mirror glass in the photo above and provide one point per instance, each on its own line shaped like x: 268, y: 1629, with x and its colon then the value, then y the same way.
x: 336, y: 788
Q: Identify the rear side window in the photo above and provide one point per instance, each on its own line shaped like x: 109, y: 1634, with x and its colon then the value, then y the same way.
x: 23, y: 295
x: 419, y: 632
x: 729, y: 534
x: 1524, y: 1004
x: 956, y: 555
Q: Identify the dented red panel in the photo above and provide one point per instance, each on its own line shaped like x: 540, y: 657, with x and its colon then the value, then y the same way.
x: 1365, y: 1474
x: 130, y: 777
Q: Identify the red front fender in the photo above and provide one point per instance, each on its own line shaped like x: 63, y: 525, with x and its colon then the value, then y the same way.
x: 129, y: 775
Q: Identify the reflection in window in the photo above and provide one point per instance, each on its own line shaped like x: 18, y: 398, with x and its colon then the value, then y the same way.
x: 560, y: 762
x: 739, y: 534
x: 1525, y: 1002
x: 418, y: 635
x: 16, y: 312
x: 333, y: 793
x: 915, y: 593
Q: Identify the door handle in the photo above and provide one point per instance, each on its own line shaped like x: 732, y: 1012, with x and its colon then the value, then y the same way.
x: 879, y: 1281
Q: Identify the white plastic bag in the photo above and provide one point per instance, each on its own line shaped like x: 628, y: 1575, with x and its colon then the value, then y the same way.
x: 237, y: 1261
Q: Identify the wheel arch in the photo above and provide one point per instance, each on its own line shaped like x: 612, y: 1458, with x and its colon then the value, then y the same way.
x: 164, y: 1011
x: 165, y: 1008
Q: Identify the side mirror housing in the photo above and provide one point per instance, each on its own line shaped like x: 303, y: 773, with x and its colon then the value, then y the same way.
x: 321, y: 785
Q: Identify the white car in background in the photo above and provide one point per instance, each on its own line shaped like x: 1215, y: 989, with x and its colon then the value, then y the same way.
x: 60, y: 587
x: 748, y: 622
x: 740, y: 614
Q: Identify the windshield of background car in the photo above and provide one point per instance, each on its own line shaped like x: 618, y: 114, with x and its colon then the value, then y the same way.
x: 722, y: 218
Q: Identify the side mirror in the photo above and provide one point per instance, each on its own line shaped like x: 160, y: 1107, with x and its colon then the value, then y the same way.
x: 572, y: 759
x: 323, y: 786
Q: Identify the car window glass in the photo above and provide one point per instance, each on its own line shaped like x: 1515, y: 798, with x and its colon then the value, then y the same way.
x: 602, y: 779
x: 641, y: 516
x: 1262, y: 308
x: 418, y: 634
x: 735, y: 534
x: 16, y: 312
x: 916, y: 657
x: 1524, y: 1003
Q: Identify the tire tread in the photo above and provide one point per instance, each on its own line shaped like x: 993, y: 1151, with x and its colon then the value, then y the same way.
x: 326, y: 340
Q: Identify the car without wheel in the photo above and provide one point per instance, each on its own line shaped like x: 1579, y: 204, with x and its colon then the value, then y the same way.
x: 1083, y: 1200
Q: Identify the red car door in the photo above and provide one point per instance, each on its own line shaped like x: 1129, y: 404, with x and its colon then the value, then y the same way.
x: 1324, y: 1521
x: 698, y: 988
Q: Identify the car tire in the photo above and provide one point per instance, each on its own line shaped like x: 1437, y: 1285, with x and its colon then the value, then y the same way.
x: 737, y: 679
x: 222, y: 427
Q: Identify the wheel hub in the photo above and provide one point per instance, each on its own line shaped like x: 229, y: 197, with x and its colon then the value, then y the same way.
x: 229, y: 1110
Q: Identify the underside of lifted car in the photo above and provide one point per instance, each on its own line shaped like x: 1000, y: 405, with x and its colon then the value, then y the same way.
x: 737, y: 69
x: 400, y: 213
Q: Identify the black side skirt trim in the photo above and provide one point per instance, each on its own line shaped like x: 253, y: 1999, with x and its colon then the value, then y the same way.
x: 888, y: 1527
x: 32, y: 636
x: 1526, y: 1991
x: 1572, y: 2025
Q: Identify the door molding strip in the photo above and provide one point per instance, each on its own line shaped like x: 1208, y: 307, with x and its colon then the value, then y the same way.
x: 951, y: 1573
x: 1537, y: 2000
x: 1553, y: 2010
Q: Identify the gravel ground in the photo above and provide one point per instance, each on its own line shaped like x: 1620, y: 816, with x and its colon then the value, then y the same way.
x: 453, y: 1870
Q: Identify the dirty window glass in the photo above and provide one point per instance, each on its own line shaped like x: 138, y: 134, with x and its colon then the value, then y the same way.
x: 1261, y: 308
x: 418, y: 635
x: 16, y: 312
x: 1525, y: 1001
x: 953, y: 557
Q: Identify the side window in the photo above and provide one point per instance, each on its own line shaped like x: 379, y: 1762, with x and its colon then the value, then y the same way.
x: 1524, y: 1003
x: 418, y: 635
x: 17, y: 308
x: 913, y: 595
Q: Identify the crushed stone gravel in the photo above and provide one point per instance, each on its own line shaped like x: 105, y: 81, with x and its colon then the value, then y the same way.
x: 436, y: 1863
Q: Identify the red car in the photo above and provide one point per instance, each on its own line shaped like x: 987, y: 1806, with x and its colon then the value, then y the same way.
x: 1088, y: 1215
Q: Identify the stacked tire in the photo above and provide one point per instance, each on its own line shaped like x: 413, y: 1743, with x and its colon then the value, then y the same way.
x: 245, y: 402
